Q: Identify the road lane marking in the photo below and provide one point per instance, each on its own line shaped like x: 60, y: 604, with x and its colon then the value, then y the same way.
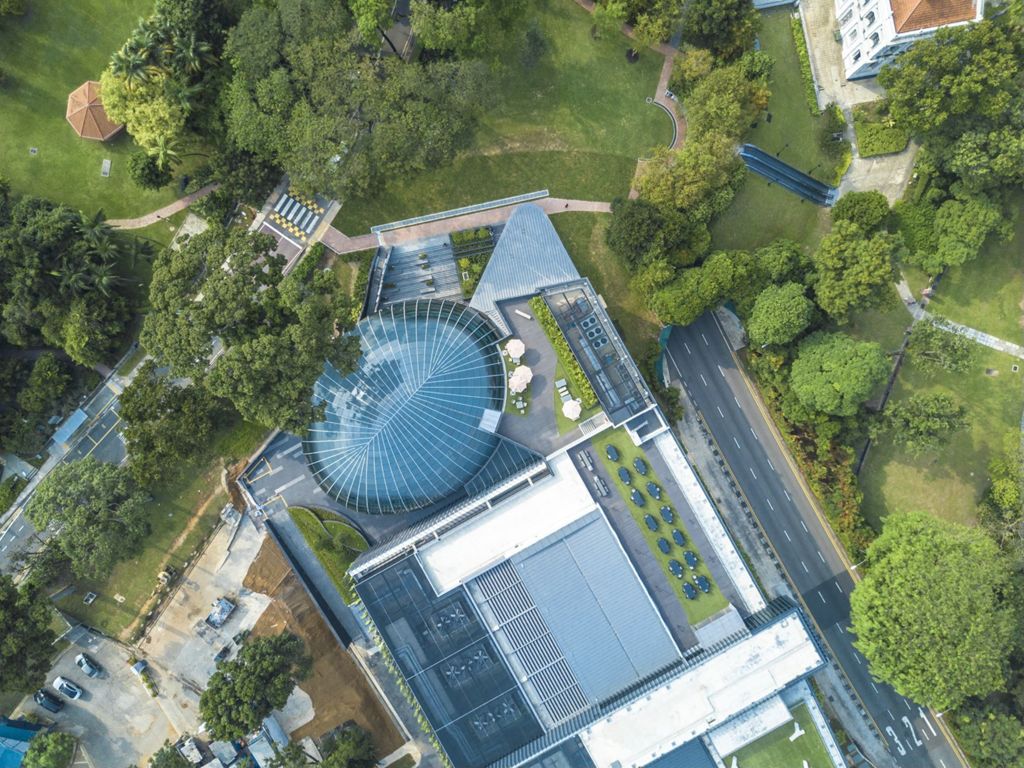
x: 288, y: 451
x: 289, y: 484
x: 705, y: 340
x: 806, y: 569
x: 821, y: 556
x: 687, y: 348
x: 20, y: 528
x: 908, y: 705
x: 721, y: 370
x: 874, y: 688
x: 913, y: 733
x: 895, y: 738
x: 737, y: 402
x: 720, y: 411
x: 703, y: 379
x: 928, y: 722
x: 839, y: 587
x: 787, y: 534
x: 773, y: 509
x: 804, y: 526
x: 769, y: 461
x: 857, y: 658
x: 891, y: 717
x: 754, y: 434
x: 752, y: 472
x: 822, y: 597
x: 675, y: 365
x: 788, y: 497
x: 736, y: 441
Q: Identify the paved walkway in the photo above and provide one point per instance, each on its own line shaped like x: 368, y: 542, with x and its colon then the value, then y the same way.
x: 165, y: 212
x: 826, y: 55
x: 985, y: 339
x: 341, y: 243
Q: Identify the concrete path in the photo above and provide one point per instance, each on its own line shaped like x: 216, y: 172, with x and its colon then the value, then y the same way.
x: 985, y: 339
x: 341, y: 243
x: 819, y: 17
x: 165, y: 212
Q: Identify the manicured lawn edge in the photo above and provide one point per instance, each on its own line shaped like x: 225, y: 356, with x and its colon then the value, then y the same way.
x: 774, y: 749
x: 564, y: 423
x: 810, y: 91
x: 321, y: 534
x: 704, y: 606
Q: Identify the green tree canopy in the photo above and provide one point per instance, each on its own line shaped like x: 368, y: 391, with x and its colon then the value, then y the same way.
x: 991, y: 735
x: 725, y: 101
x: 725, y: 27
x: 50, y: 749
x: 243, y: 691
x: 466, y: 28
x: 923, y: 422
x: 781, y: 313
x: 854, y: 271
x: 935, y: 349
x: 834, y: 373
x: 25, y: 652
x: 352, y: 748
x: 168, y: 757
x: 868, y: 210
x: 101, y: 518
x: 164, y: 423
x: 936, y: 613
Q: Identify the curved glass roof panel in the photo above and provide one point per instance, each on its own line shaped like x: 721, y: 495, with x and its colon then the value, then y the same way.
x: 406, y: 429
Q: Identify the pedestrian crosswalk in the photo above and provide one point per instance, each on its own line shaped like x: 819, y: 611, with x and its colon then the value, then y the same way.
x: 296, y: 215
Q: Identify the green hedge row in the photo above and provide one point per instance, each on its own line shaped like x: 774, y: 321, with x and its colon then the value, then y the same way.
x: 470, y: 236
x: 876, y: 133
x: 365, y: 259
x: 805, y: 64
x: 580, y: 382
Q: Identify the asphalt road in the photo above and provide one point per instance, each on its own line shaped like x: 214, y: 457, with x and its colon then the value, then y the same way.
x: 699, y: 357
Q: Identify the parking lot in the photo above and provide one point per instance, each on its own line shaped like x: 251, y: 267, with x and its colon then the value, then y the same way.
x: 117, y: 722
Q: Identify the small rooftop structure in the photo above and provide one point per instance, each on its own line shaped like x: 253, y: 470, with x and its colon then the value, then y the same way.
x: 63, y: 435
x: 86, y: 114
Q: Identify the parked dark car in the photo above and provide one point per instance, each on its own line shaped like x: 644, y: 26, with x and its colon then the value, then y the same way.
x: 89, y: 665
x: 703, y: 583
x: 678, y: 537
x: 48, y: 701
x: 651, y: 522
x: 637, y: 498
x: 676, y: 568
x: 654, y: 490
x: 624, y: 476
x: 689, y: 591
x: 611, y: 452
x: 690, y: 558
x: 667, y: 514
x: 664, y: 546
x: 640, y: 466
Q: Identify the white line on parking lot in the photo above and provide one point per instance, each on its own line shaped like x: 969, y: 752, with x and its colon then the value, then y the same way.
x: 821, y: 556
x: 289, y: 484
x: 720, y: 412
x: 687, y: 348
x: 804, y: 526
x: 705, y: 340
x: 772, y: 506
x: 806, y: 569
x: 787, y: 534
x: 752, y: 472
x: 288, y: 451
x: 703, y: 379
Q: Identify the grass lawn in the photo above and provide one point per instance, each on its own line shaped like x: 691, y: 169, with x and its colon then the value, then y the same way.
x: 775, y: 750
x: 574, y: 124
x: 917, y: 279
x: 886, y: 325
x: 564, y: 423
x: 761, y: 213
x: 50, y: 51
x: 171, y: 539
x: 988, y: 293
x: 510, y: 398
x: 793, y: 130
x: 947, y: 483
x: 704, y: 606
x: 583, y: 236
x: 335, y: 544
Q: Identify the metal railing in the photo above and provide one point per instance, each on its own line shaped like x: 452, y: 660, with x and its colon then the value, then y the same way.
x: 476, y: 208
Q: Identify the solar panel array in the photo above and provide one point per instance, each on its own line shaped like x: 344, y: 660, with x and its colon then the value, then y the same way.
x: 523, y: 635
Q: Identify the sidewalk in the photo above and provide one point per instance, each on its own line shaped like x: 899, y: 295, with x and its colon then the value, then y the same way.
x: 162, y: 213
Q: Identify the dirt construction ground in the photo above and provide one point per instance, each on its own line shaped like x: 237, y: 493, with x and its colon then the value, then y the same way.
x: 337, y: 687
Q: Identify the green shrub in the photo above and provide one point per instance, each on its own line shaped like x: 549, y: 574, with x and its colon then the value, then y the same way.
x: 805, y: 64
x: 573, y: 370
x: 877, y: 133
x: 9, y: 490
x: 365, y: 259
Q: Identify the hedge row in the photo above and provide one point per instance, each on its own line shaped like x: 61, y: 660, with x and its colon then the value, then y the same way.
x: 810, y: 93
x: 580, y: 382
x: 470, y: 235
x: 874, y: 136
x: 362, y: 282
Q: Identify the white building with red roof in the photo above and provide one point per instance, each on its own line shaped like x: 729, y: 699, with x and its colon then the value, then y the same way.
x: 875, y: 32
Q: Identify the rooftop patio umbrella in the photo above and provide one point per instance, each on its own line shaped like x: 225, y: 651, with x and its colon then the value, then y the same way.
x: 517, y: 384
x: 572, y: 409
x: 525, y: 372
x: 86, y: 114
x: 515, y: 348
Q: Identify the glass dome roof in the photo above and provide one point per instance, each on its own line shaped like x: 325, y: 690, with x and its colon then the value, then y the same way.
x: 410, y: 426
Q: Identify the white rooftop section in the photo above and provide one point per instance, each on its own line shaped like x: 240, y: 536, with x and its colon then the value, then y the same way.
x: 750, y: 726
x: 700, y: 698
x: 511, y: 526
x: 709, y: 520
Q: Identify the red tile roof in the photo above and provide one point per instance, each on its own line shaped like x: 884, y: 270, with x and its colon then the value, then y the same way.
x: 912, y: 15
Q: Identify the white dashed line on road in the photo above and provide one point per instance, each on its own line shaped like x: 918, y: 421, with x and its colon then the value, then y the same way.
x: 772, y: 506
x: 736, y: 441
x: 788, y: 498
x: 769, y: 461
x: 687, y: 348
x: 891, y: 715
x: 927, y: 722
x: 822, y: 597
x: 705, y: 340
x: 839, y: 587
x: 737, y: 402
x: 804, y: 526
x: 857, y: 657
x: 908, y: 705
x: 703, y: 379
x: 720, y: 412
x: 806, y: 569
x: 754, y: 434
x: 787, y: 534
x: 752, y: 472
x: 21, y: 528
x: 874, y: 688
x: 721, y: 370
x: 821, y: 556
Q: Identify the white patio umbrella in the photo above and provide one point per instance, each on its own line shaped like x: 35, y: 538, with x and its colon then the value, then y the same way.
x: 572, y: 409
x: 525, y: 372
x: 516, y: 349
x: 517, y: 383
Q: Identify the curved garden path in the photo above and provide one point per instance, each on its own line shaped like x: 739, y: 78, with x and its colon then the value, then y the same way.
x: 162, y: 213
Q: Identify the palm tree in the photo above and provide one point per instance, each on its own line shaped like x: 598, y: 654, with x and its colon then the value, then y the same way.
x: 166, y: 152
x: 137, y: 249
x: 130, y: 65
x: 103, y: 278
x: 93, y: 229
x: 106, y: 249
x: 185, y: 95
x: 191, y: 55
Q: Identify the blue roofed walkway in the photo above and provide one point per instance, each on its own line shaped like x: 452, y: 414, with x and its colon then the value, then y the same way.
x: 786, y: 176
